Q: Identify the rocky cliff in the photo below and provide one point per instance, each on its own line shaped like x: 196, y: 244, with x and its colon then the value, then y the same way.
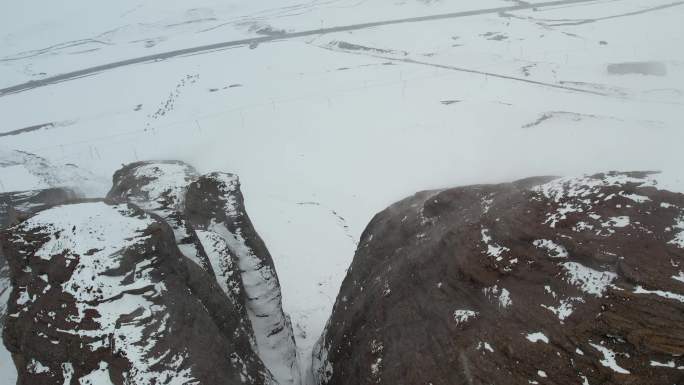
x: 14, y: 207
x: 164, y: 281
x: 541, y: 281
x: 101, y: 292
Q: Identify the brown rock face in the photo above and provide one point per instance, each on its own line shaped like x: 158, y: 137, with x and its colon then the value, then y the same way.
x: 215, y: 208
x: 102, y: 294
x: 213, y: 231
x: 164, y: 282
x: 14, y: 207
x: 541, y: 281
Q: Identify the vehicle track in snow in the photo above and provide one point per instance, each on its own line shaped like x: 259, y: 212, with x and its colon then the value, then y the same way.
x: 271, y: 38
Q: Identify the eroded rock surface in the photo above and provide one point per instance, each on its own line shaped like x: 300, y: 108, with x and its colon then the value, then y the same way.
x: 101, y: 290
x: 159, y: 188
x: 14, y: 207
x: 541, y: 281
x: 212, y: 229
x: 215, y: 207
x: 164, y: 282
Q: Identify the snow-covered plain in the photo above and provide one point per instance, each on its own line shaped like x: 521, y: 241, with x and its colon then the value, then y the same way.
x: 327, y: 129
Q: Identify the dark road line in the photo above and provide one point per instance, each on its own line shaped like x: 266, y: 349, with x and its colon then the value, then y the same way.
x: 265, y: 39
x: 471, y: 71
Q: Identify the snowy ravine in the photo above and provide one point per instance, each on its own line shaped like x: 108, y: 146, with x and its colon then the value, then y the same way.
x: 215, y: 207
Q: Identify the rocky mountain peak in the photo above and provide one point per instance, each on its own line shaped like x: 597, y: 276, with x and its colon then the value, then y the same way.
x: 545, y: 280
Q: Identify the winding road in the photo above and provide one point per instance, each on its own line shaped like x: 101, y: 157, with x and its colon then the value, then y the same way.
x: 270, y: 38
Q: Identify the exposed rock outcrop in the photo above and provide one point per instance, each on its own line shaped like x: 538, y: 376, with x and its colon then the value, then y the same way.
x: 101, y: 291
x: 15, y: 206
x: 541, y: 281
x: 215, y: 207
x: 159, y: 188
x: 212, y: 229
x: 31, y: 183
x: 164, y: 281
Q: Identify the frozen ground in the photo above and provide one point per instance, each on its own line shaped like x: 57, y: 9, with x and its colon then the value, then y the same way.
x: 325, y: 125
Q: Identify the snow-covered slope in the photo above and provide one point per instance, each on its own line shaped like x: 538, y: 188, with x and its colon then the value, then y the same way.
x: 329, y: 127
x: 159, y: 188
x: 215, y: 207
x: 24, y: 171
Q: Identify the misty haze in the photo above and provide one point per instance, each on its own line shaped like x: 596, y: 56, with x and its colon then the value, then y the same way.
x: 342, y: 192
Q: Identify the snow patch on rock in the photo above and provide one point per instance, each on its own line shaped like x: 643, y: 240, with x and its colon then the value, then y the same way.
x: 609, y: 359
x: 678, y: 240
x: 564, y: 309
x: 555, y: 250
x: 660, y: 293
x: 462, y: 316
x: 536, y: 337
x: 503, y: 296
x: 493, y: 249
x: 99, y: 376
x: 590, y: 281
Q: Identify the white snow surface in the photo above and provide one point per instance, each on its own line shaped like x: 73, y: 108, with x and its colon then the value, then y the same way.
x: 660, y: 293
x: 21, y: 171
x: 590, y: 281
x: 91, y: 224
x: 462, y: 316
x: 609, y: 358
x: 501, y: 295
x: 36, y: 367
x: 313, y: 128
x: 555, y: 250
x: 170, y: 180
x: 99, y: 376
x: 274, y: 339
x: 271, y: 328
x: 537, y: 336
x: 564, y: 309
x: 679, y: 277
x: 493, y: 249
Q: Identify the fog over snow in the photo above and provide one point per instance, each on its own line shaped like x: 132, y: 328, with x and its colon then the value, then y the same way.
x: 330, y: 110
